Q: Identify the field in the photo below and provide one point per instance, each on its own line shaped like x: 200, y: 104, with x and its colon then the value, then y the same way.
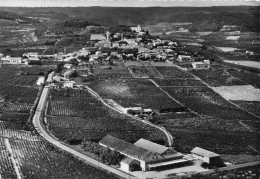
x: 38, y: 159
x: 35, y: 158
x: 74, y: 115
x: 134, y: 93
x: 251, y: 106
x: 247, y: 77
x: 252, y: 64
x: 236, y: 93
x: 172, y: 72
x: 179, y: 82
x: 37, y: 70
x: 218, y: 77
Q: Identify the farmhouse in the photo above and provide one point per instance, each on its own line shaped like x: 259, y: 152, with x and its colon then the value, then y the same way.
x: 200, y: 65
x: 146, y: 154
x: 206, y: 156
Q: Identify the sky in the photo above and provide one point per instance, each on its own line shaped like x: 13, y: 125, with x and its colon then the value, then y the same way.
x: 128, y: 3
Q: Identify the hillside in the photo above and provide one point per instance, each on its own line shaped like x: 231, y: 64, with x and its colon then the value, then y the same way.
x: 214, y: 17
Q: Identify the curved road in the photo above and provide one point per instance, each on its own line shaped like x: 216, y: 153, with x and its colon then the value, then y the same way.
x: 167, y: 134
x: 37, y: 122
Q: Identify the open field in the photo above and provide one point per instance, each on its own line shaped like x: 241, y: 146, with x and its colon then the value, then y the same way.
x: 93, y: 121
x: 239, y: 93
x: 252, y: 64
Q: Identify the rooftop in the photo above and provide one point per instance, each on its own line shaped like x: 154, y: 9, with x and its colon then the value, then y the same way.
x: 151, y: 146
x: 97, y: 37
x: 203, y: 152
x: 125, y: 147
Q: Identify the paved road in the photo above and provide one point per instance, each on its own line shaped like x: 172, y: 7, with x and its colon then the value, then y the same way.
x: 232, y: 167
x: 42, y: 131
x: 167, y: 134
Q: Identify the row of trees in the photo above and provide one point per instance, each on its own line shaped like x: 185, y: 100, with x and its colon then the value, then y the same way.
x: 110, y: 157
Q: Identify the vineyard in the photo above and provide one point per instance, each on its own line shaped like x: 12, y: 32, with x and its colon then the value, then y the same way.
x: 82, y: 117
x: 35, y: 158
x: 10, y: 75
x: 37, y: 70
x: 222, y: 142
x: 218, y: 77
x: 172, y: 72
x: 182, y: 82
x: 38, y: 159
x: 208, y: 103
x: 252, y: 106
x: 247, y: 77
x: 133, y: 93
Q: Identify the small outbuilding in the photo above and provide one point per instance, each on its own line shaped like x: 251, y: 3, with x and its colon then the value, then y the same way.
x: 200, y: 65
x: 206, y: 156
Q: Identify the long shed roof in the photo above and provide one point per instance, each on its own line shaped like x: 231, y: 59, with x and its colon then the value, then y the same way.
x: 151, y: 146
x: 125, y: 147
x: 204, y: 153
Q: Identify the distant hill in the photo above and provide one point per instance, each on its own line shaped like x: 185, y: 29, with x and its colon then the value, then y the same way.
x: 213, y: 17
x: 7, y: 17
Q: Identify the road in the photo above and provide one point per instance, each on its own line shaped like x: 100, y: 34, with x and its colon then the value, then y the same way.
x: 167, y: 134
x: 232, y: 167
x: 37, y: 122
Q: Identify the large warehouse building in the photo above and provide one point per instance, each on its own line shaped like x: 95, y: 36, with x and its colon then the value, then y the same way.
x: 145, y: 154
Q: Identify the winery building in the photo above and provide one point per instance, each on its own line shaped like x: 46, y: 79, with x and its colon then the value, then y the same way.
x: 143, y: 153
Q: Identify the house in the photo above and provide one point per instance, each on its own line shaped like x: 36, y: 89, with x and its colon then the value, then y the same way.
x: 200, y: 65
x: 31, y: 55
x: 147, y: 111
x: 68, y: 66
x: 115, y: 44
x: 184, y: 58
x: 40, y: 80
x: 103, y: 43
x: 97, y: 37
x: 206, y: 61
x: 135, y: 110
x: 136, y: 29
x: 56, y: 78
x: 93, y: 61
x: 206, y: 156
x: 14, y: 60
x: 146, y: 154
x: 68, y: 73
x: 68, y: 84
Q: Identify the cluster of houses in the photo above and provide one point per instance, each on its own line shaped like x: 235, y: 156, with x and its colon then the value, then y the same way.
x: 146, y: 155
x: 108, y: 48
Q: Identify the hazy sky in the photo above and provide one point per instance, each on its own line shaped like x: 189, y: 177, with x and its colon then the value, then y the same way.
x: 133, y: 3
